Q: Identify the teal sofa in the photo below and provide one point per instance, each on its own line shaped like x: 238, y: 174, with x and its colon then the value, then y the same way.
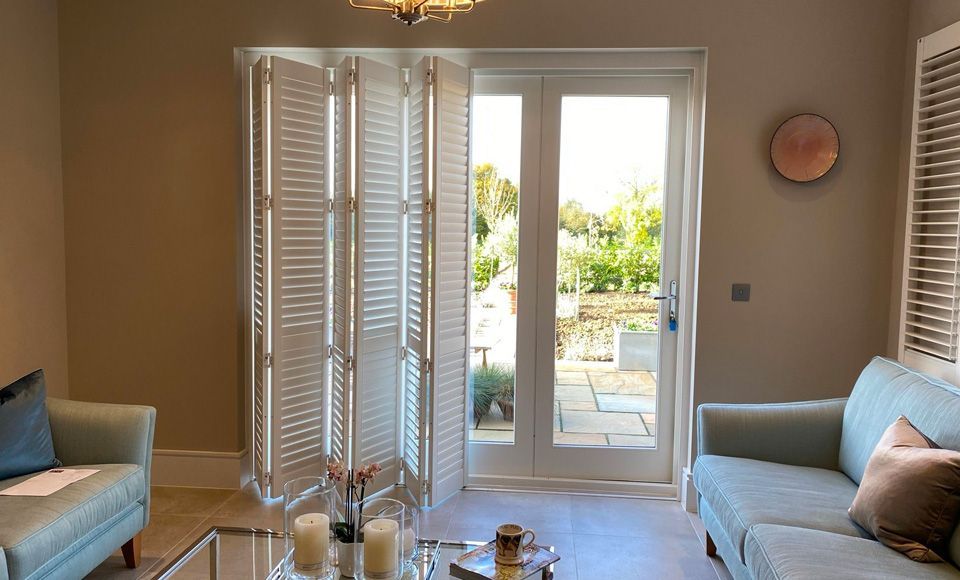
x: 775, y: 481
x: 69, y: 533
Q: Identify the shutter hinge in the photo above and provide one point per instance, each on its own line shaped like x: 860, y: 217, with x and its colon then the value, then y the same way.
x: 330, y: 206
x: 268, y: 479
x: 350, y: 363
x: 406, y: 207
x: 268, y: 75
x: 402, y: 464
x: 268, y: 360
x: 428, y: 206
x: 426, y: 487
x: 430, y: 77
x: 332, y: 85
x: 352, y: 76
x: 403, y: 353
x: 426, y: 364
x: 267, y: 202
x: 352, y: 204
x: 406, y: 89
x: 329, y: 351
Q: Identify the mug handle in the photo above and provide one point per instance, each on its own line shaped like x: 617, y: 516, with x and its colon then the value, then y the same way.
x: 533, y: 536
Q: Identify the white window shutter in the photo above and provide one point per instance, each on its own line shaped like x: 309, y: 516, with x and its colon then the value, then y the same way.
x: 298, y: 108
x: 417, y: 284
x: 342, y: 347
x: 450, y: 296
x: 377, y: 277
x: 259, y: 106
x: 929, y: 309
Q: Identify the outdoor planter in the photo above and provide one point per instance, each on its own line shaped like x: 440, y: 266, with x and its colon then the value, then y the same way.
x: 635, y: 350
x: 506, y: 407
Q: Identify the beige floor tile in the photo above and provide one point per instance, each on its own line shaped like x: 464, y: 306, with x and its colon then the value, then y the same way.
x: 187, y: 501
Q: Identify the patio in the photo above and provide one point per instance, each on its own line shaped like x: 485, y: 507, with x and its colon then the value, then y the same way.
x: 595, y: 404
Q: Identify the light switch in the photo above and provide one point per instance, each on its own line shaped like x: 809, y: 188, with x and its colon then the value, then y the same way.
x: 741, y: 293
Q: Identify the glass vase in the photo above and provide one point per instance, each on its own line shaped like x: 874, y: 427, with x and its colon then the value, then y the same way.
x: 309, y: 510
x: 382, y: 524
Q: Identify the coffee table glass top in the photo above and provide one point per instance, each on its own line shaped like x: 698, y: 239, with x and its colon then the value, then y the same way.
x: 241, y: 553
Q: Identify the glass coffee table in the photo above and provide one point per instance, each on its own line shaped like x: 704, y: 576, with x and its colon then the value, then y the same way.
x: 241, y: 553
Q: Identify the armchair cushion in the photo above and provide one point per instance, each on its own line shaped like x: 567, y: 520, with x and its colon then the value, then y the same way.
x: 806, y: 433
x: 25, y: 442
x: 744, y: 492
x: 40, y: 531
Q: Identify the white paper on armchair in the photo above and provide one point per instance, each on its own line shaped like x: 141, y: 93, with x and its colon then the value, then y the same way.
x: 48, y: 482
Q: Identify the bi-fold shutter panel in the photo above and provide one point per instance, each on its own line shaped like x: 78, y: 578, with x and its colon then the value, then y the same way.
x: 377, y: 306
x: 417, y: 284
x: 260, y: 289
x: 299, y: 269
x: 929, y: 317
x: 450, y: 294
x: 342, y: 351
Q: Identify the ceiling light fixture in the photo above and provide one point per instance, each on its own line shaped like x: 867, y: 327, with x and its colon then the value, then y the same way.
x: 411, y: 12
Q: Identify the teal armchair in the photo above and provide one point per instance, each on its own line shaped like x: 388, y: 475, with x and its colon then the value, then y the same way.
x: 69, y: 533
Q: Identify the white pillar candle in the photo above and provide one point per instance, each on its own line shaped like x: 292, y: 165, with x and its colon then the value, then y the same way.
x: 409, y: 543
x: 311, y: 541
x: 381, y: 548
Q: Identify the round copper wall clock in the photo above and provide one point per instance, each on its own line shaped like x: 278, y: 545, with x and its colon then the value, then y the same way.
x: 804, y: 147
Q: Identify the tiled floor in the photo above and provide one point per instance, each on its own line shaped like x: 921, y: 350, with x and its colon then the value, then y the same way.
x: 597, y: 537
x: 596, y: 404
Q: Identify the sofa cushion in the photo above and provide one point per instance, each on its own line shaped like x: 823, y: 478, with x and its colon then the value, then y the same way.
x: 786, y: 553
x: 744, y: 492
x: 25, y: 442
x: 34, y: 530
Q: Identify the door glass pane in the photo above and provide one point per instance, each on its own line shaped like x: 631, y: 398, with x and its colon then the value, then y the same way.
x: 612, y: 167
x: 493, y: 307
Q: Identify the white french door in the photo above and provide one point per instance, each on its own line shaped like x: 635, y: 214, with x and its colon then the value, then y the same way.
x: 599, y: 167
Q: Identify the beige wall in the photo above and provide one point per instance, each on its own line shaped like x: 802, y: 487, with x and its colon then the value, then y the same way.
x: 33, y: 317
x: 152, y: 183
x: 926, y: 16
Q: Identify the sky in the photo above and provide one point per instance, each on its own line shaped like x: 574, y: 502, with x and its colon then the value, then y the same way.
x: 605, y: 142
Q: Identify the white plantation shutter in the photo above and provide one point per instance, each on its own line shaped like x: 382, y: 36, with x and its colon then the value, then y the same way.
x: 342, y: 350
x: 299, y: 246
x: 378, y: 252
x: 261, y: 290
x: 929, y: 315
x: 417, y: 284
x: 450, y: 298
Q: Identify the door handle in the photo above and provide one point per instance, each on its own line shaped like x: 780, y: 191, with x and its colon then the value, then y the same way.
x: 672, y: 303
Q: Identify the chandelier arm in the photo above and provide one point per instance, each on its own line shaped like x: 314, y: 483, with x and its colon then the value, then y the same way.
x: 448, y: 10
x: 449, y: 17
x: 367, y: 7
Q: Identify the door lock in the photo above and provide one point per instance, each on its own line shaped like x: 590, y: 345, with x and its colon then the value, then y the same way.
x: 672, y: 303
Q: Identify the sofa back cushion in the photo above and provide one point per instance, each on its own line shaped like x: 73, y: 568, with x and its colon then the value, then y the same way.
x: 885, y: 390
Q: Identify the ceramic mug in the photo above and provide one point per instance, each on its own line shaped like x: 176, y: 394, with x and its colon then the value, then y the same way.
x: 510, y: 544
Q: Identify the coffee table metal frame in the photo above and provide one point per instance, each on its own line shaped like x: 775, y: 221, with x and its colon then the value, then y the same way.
x: 426, y: 561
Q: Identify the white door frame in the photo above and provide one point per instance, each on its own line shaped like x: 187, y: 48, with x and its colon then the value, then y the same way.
x: 690, y: 62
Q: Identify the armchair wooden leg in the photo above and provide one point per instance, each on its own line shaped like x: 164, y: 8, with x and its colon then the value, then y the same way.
x: 711, y: 547
x: 131, y: 551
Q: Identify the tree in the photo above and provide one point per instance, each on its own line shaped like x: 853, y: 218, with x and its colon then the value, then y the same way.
x: 574, y: 218
x: 495, y: 198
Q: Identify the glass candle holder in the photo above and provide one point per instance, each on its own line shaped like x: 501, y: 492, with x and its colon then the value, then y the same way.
x: 411, y: 533
x: 382, y: 523
x: 309, y: 511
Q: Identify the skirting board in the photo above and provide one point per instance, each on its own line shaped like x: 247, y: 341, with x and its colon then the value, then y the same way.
x: 182, y: 468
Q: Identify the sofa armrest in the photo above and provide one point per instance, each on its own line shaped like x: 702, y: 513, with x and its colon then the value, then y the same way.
x: 91, y: 433
x: 805, y: 433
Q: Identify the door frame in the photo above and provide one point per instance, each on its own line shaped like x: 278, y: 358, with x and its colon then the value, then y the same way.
x: 689, y: 62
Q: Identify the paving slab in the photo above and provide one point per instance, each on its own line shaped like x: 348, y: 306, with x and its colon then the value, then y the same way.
x: 599, y: 422
x: 572, y: 378
x: 633, y: 440
x: 578, y: 406
x: 495, y: 422
x: 490, y: 435
x: 573, y: 393
x: 560, y: 438
x: 627, y: 403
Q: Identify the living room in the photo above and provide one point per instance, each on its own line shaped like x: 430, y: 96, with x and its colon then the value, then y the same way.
x: 590, y: 290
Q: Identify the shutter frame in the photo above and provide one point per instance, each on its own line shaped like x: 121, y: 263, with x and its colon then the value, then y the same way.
x: 930, y: 296
x: 260, y: 287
